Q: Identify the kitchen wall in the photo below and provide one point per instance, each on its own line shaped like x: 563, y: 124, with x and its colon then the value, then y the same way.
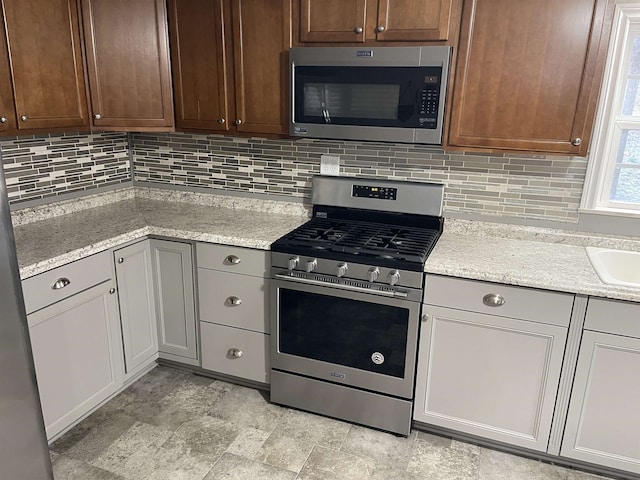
x: 513, y: 188
x: 45, y: 166
x: 516, y: 188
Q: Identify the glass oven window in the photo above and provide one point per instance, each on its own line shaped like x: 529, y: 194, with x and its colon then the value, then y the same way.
x: 353, y: 333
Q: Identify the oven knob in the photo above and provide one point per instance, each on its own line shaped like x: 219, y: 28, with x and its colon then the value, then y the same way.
x: 311, y: 265
x: 342, y: 269
x: 293, y: 262
x: 373, y: 274
x: 394, y: 277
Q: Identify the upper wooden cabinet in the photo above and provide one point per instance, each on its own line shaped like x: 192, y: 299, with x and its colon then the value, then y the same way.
x: 42, y: 53
x: 359, y: 21
x: 230, y: 63
x: 7, y: 109
x: 128, y: 64
x: 528, y: 75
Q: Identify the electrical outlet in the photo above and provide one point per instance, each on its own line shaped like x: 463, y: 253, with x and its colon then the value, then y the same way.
x: 329, y: 165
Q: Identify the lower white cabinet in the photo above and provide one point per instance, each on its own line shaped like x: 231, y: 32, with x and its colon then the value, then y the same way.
x: 175, y: 300
x: 490, y: 375
x: 77, y: 352
x: 134, y: 276
x: 233, y: 311
x: 603, y: 422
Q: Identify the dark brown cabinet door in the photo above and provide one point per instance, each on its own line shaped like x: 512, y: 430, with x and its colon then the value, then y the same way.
x: 128, y: 64
x: 528, y: 74
x: 333, y: 21
x: 7, y: 109
x: 261, y: 41
x: 199, y: 64
x: 43, y: 41
x: 413, y: 20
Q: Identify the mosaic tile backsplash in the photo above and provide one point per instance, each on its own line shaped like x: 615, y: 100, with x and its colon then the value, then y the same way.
x: 45, y: 166
x: 526, y: 187
x: 523, y: 186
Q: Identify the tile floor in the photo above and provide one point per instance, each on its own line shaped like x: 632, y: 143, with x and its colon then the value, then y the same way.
x: 175, y: 425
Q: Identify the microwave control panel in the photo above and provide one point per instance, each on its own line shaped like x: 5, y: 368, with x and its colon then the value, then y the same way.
x: 429, y: 96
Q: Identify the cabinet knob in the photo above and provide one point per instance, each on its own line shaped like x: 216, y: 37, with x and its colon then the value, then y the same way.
x: 237, y: 122
x: 235, y: 301
x: 3, y: 119
x: 60, y: 283
x: 24, y: 118
x: 232, y: 259
x: 112, y: 291
x: 234, y: 353
x: 493, y: 300
x: 358, y: 30
x: 121, y: 260
x: 576, y: 142
x: 97, y: 116
x: 221, y: 121
x: 380, y: 28
x: 425, y: 318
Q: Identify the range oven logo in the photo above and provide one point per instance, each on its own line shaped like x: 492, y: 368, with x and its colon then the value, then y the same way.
x: 364, y: 53
x: 342, y: 376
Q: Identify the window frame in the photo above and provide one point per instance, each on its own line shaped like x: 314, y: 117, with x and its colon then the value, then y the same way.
x: 609, y: 125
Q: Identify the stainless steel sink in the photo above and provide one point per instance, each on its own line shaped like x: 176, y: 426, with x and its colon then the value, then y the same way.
x: 616, y: 267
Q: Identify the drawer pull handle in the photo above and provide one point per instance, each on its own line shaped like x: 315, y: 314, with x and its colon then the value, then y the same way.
x: 232, y: 259
x: 234, y: 301
x: 60, y: 283
x: 493, y: 300
x: 234, y: 353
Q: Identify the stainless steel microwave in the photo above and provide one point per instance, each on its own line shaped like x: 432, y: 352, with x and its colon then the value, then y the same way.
x: 389, y: 94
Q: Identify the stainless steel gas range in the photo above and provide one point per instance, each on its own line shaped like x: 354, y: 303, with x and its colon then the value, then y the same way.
x: 345, y: 300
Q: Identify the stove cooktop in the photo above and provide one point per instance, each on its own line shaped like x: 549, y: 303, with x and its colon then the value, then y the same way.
x: 391, y: 241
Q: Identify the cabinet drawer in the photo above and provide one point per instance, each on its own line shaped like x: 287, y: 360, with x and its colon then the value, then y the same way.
x: 613, y: 316
x: 219, y: 343
x: 233, y: 259
x: 220, y: 293
x: 542, y: 306
x: 40, y: 291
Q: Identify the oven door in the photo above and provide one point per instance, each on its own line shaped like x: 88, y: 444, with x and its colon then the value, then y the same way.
x: 346, y: 337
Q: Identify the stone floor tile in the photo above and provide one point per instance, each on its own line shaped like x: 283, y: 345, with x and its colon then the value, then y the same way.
x: 65, y: 468
x: 248, y: 442
x: 203, y: 437
x: 314, y: 429
x: 98, y: 438
x: 284, y: 451
x: 249, y: 408
x: 438, y: 459
x: 379, y: 448
x: 174, y: 464
x: 239, y: 468
x: 329, y: 464
x: 384, y: 472
x: 126, y: 455
x: 496, y: 465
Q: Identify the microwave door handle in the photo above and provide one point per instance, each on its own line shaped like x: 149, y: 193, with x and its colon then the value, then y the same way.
x: 327, y: 118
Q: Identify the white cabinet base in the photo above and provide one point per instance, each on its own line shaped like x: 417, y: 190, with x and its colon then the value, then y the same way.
x: 77, y: 353
x: 489, y: 376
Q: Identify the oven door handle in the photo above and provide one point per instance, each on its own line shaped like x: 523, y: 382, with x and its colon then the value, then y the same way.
x: 351, y: 288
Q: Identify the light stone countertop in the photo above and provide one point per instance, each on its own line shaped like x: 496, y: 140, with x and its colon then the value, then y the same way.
x: 524, y: 256
x: 46, y: 244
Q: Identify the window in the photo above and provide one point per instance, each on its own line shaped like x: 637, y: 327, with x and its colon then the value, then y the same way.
x: 613, y: 176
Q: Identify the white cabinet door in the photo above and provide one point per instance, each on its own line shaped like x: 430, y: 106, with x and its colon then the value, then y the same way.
x: 134, y: 275
x: 603, y: 423
x: 489, y: 376
x: 77, y: 353
x: 175, y: 303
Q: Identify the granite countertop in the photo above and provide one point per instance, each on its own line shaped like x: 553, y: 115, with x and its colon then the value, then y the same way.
x: 525, y: 256
x: 49, y: 243
x: 529, y: 257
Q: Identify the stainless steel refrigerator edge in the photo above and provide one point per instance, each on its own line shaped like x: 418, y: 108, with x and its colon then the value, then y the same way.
x: 24, y: 453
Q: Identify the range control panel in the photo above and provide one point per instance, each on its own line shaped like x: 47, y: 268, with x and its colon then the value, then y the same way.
x: 369, y: 191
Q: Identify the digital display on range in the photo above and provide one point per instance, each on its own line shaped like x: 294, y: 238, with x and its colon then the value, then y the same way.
x: 368, y: 191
